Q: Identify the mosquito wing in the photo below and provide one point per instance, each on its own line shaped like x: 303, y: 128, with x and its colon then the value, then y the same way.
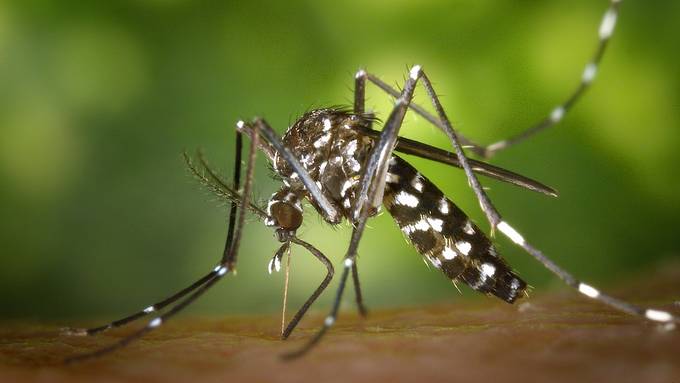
x: 408, y: 146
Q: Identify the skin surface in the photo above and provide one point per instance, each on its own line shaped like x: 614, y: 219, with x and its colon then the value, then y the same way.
x: 556, y: 337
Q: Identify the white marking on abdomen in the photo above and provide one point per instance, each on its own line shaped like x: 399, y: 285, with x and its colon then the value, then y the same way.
x: 488, y: 269
x: 468, y: 229
x: 448, y: 253
x: 393, y: 178
x: 422, y: 225
x: 417, y: 183
x: 406, y: 199
x: 464, y: 247
x: 444, y: 206
x: 436, y: 224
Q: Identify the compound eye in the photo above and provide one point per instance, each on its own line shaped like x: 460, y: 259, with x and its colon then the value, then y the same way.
x: 286, y: 215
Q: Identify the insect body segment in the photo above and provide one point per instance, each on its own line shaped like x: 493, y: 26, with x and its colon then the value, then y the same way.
x: 443, y: 234
x: 285, y: 212
x: 332, y: 150
x: 329, y: 146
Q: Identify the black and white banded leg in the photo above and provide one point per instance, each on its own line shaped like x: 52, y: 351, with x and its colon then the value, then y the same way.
x: 505, y: 228
x: 604, y: 34
x: 369, y: 199
x: 275, y: 149
x: 284, y: 212
x: 373, y: 182
x: 605, y: 31
x: 226, y: 265
x: 173, y: 298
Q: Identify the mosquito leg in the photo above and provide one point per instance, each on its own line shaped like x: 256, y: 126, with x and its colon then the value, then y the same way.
x: 390, y: 133
x: 332, y: 316
x: 216, y: 274
x: 589, y: 291
x: 476, y: 148
x: 496, y: 221
x: 232, y: 210
x: 360, y: 92
x: 330, y: 211
x: 154, y: 323
x: 329, y: 275
x: 605, y: 32
x: 488, y: 208
x: 150, y: 309
x: 359, y: 109
x: 178, y: 295
x: 370, y: 197
x: 363, y: 311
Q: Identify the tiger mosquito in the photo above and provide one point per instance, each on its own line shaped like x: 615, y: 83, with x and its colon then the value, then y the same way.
x: 332, y: 158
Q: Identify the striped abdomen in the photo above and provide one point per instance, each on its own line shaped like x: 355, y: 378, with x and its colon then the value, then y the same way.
x: 443, y: 234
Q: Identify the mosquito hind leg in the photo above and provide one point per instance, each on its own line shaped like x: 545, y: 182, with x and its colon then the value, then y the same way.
x: 497, y: 222
x: 605, y: 32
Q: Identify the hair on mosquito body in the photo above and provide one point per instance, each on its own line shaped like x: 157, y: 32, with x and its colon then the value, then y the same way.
x: 332, y: 160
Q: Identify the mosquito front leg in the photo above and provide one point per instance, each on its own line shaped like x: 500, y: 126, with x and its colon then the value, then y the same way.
x: 281, y: 150
x: 234, y: 233
x: 308, y: 303
x: 180, y: 294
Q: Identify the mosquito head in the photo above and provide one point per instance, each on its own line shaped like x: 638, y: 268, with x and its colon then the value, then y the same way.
x: 285, y: 213
x: 288, y: 218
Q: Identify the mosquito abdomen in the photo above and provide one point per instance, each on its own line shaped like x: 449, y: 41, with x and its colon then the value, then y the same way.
x: 444, y: 235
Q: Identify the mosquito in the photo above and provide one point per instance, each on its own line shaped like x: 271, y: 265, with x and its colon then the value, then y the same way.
x: 334, y: 159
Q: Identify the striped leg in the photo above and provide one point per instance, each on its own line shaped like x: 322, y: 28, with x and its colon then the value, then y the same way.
x: 228, y: 261
x: 496, y: 221
x: 591, y: 292
x: 372, y: 190
x: 180, y: 294
x: 329, y: 276
x: 605, y: 32
x: 359, y: 103
x: 215, y: 184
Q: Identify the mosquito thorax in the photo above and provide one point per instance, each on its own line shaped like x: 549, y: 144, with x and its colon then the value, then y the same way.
x: 330, y: 147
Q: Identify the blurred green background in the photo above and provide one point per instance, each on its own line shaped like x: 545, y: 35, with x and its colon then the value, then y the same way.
x: 99, y: 99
